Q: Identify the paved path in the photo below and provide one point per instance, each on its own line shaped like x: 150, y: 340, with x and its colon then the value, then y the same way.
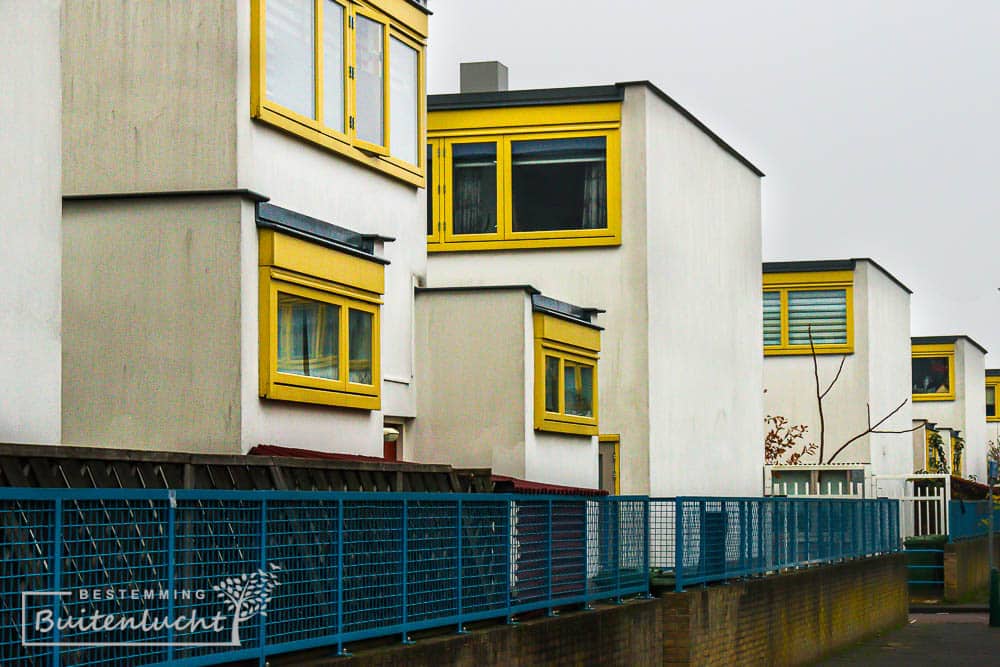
x: 930, y: 639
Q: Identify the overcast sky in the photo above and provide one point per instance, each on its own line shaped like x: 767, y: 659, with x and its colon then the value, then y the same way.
x: 876, y: 122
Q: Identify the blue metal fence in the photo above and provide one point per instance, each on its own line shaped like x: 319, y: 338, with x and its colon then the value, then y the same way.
x: 321, y: 568
x: 699, y: 540
x: 970, y: 518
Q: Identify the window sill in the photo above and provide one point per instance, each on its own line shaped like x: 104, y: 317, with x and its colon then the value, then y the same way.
x: 926, y: 398
x: 553, y: 426
x: 282, y: 392
x: 524, y: 244
x: 797, y: 351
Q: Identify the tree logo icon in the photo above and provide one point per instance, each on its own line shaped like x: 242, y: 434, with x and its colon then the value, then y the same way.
x: 247, y: 595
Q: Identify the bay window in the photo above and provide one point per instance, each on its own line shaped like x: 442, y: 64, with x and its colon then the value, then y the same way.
x: 346, y: 74
x: 566, y: 356
x: 933, y: 372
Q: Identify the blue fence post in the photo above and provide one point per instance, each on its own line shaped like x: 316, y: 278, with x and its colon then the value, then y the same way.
x: 261, y: 618
x: 678, y: 545
x: 57, y: 528
x: 744, y: 536
x: 340, y: 579
x: 458, y: 551
x: 647, y: 565
x: 404, y: 533
x: 509, y: 553
x: 548, y: 559
x: 617, y: 535
x: 171, y: 565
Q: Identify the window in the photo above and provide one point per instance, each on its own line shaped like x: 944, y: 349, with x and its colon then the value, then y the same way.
x: 566, y: 375
x: 552, y: 181
x: 934, y: 372
x: 609, y: 463
x: 803, y: 311
x: 346, y: 75
x: 992, y: 386
x: 319, y: 324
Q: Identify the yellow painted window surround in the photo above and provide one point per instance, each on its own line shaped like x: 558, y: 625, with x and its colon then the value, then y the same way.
x: 992, y: 384
x: 499, y: 139
x: 566, y: 355
x: 821, y: 291
x: 319, y: 324
x: 386, y: 27
x: 930, y: 453
x: 934, y: 372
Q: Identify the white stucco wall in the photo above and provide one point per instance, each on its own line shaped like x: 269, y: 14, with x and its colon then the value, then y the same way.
x: 703, y: 290
x: 966, y: 412
x: 889, y: 367
x: 316, y: 182
x: 30, y: 208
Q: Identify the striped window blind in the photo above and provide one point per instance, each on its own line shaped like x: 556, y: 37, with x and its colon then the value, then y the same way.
x: 824, y: 310
x: 772, y: 318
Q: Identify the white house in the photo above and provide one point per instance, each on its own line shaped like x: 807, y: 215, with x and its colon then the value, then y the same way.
x: 616, y: 196
x: 243, y: 194
x: 859, y: 317
x: 948, y: 390
x: 30, y: 302
x: 512, y: 378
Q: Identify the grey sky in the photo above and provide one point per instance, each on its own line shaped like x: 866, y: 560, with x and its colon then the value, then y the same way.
x: 876, y: 122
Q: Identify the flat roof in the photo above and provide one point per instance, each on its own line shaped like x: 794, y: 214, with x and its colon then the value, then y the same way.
x: 318, y: 231
x: 574, y: 95
x: 816, y: 265
x: 993, y: 372
x: 941, y: 340
x: 539, y: 302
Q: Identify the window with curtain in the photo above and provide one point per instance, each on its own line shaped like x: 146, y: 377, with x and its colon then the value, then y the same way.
x: 772, y: 318
x: 579, y: 389
x: 308, y: 337
x: 369, y: 72
x: 991, y: 400
x: 821, y: 312
x: 359, y: 331
x: 474, y: 188
x: 559, y: 184
x: 932, y: 375
x: 290, y: 69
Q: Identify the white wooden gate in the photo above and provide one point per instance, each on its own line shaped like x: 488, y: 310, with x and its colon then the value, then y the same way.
x: 923, y: 501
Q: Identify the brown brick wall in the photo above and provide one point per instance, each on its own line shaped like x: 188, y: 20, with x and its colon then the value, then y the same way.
x: 790, y: 619
x: 967, y: 567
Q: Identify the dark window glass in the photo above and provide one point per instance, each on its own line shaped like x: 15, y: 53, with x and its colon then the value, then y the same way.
x: 551, y: 384
x: 474, y: 188
x: 991, y: 401
x: 559, y: 184
x: 930, y: 375
x: 430, y: 190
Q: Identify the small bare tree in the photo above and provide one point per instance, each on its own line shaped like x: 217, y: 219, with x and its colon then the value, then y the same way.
x: 781, y: 438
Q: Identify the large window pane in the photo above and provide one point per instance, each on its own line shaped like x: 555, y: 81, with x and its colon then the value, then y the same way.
x: 359, y: 327
x: 551, y: 384
x: 931, y: 375
x: 579, y: 383
x: 369, y: 79
x: 474, y: 188
x: 772, y: 318
x: 823, y: 312
x: 308, y: 337
x: 991, y: 401
x: 289, y: 71
x: 403, y: 85
x: 333, y: 65
x: 559, y: 184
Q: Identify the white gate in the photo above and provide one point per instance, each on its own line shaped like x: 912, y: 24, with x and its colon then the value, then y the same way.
x: 923, y: 500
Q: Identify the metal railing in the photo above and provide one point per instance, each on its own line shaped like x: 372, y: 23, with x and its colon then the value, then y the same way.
x: 699, y: 540
x: 970, y: 518
x: 286, y: 571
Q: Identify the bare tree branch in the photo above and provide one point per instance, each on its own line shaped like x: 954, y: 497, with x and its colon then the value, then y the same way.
x: 873, y: 429
x: 819, y: 394
x: 835, y: 377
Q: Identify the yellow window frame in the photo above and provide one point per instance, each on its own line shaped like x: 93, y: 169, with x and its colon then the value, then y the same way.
x: 570, y: 343
x: 505, y: 126
x: 930, y: 455
x: 434, y: 186
x: 928, y: 351
x: 615, y: 439
x: 391, y: 14
x: 783, y: 283
x: 993, y: 381
x: 293, y: 266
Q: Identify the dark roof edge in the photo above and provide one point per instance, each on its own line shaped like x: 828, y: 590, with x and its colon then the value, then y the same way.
x: 421, y: 6
x: 811, y: 265
x: 479, y: 288
x: 221, y: 192
x: 938, y: 340
x: 565, y: 311
x: 696, y: 122
x: 525, y: 98
x: 993, y: 372
x: 269, y: 216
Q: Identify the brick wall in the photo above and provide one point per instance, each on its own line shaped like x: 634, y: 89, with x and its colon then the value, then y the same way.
x: 967, y: 567
x: 790, y: 619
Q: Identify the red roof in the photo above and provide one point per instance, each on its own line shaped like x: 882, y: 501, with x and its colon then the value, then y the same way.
x: 538, y: 488
x: 276, y: 450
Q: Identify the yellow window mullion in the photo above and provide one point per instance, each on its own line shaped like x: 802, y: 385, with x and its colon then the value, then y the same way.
x: 350, y: 94
x: 344, y: 344
x: 784, y: 318
x: 318, y: 59
x: 562, y: 385
x: 505, y: 203
x: 386, y: 112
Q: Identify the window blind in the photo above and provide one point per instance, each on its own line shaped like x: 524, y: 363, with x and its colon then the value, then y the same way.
x: 772, y: 318
x: 823, y: 310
